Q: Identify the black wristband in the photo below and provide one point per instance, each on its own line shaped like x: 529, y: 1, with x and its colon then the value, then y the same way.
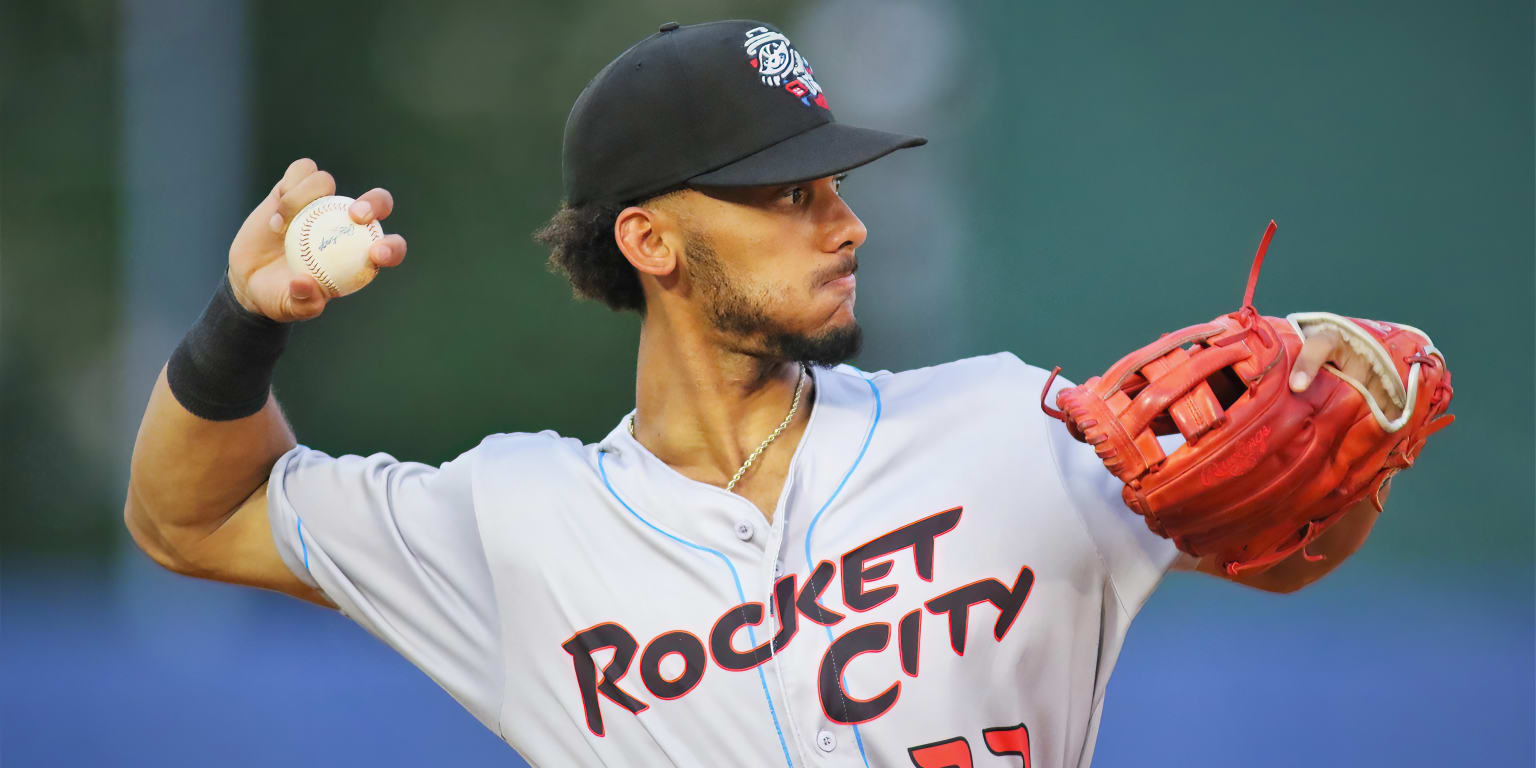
x: 222, y: 369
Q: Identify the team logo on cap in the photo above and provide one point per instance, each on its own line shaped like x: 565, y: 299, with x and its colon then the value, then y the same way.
x: 780, y: 65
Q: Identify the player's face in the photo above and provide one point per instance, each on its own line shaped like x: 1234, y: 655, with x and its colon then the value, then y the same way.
x: 774, y: 268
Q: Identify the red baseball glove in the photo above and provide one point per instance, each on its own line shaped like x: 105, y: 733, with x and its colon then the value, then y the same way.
x: 1263, y: 470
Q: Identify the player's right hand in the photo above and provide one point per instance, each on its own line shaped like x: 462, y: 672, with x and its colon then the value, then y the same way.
x: 258, y: 273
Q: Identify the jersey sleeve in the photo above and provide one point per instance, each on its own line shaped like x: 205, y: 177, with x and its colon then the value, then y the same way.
x: 395, y: 545
x: 1136, y: 557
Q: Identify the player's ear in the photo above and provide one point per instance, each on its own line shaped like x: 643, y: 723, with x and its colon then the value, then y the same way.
x: 646, y: 241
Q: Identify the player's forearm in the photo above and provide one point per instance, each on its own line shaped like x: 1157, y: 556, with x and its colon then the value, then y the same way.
x: 188, y: 473
x: 212, y: 430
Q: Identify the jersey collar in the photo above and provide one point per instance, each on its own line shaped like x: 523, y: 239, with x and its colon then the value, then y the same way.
x: 834, y: 440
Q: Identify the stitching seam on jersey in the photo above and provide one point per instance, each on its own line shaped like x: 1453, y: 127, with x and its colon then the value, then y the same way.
x: 740, y: 593
x: 811, y: 529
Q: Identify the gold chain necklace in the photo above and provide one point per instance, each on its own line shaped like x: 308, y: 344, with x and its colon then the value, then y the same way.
x: 793, y: 406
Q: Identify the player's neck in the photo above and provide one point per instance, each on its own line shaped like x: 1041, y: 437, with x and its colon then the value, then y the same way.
x: 703, y: 409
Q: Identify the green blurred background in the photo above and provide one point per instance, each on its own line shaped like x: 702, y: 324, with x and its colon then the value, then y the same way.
x: 1096, y: 172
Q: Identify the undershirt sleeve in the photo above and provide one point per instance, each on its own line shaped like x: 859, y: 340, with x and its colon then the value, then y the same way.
x: 396, y: 547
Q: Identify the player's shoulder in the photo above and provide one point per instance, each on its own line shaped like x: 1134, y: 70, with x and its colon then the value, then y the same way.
x: 526, y: 462
x: 500, y: 445
x: 1000, y: 372
x: 547, y: 445
x: 998, y: 389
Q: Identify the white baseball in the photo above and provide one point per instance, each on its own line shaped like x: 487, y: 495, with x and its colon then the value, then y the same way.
x: 324, y: 242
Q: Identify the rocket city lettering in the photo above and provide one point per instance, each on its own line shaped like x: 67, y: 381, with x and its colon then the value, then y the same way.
x: 793, y: 602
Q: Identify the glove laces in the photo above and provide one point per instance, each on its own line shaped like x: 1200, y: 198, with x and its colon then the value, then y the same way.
x: 1258, y: 261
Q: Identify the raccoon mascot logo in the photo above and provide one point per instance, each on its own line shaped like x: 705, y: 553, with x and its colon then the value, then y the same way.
x: 780, y: 65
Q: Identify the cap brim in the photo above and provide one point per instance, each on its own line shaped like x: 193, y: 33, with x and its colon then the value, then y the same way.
x: 827, y: 149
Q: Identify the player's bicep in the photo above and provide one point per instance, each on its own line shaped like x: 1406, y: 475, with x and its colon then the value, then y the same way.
x: 242, y: 551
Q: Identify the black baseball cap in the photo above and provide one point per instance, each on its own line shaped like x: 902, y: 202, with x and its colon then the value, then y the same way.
x: 727, y: 103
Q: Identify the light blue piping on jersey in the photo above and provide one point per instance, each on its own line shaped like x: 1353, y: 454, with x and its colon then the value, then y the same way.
x: 868, y: 437
x: 742, y: 595
x: 299, y: 526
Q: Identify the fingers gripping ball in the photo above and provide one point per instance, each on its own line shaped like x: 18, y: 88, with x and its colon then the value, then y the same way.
x: 325, y: 243
x: 1263, y: 470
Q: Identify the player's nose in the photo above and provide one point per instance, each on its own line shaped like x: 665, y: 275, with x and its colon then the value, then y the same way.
x: 843, y: 227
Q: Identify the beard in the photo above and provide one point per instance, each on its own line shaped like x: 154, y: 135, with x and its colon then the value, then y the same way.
x: 733, y: 311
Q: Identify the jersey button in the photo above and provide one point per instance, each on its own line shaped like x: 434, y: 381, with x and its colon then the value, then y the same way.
x: 826, y: 741
x: 744, y: 530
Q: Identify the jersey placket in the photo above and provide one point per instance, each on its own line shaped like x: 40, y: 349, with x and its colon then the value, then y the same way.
x: 810, y: 737
x: 796, y: 665
x: 817, y: 740
x: 804, y: 731
x: 764, y: 538
x: 844, y: 434
x: 810, y: 743
x: 774, y: 567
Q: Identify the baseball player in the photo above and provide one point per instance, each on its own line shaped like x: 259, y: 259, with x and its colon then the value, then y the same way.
x: 775, y: 558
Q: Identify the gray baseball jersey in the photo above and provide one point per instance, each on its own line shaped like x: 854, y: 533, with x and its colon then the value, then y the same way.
x: 946, y: 581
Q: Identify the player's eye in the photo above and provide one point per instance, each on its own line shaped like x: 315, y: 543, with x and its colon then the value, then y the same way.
x: 794, y: 195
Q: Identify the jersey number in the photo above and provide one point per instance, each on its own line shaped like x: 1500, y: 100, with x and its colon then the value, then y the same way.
x: 956, y: 752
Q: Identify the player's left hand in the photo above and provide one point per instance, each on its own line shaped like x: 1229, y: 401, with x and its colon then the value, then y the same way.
x: 1327, y: 347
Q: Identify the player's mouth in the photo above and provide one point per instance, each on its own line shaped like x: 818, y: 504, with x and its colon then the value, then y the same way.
x: 846, y: 282
x: 842, y: 278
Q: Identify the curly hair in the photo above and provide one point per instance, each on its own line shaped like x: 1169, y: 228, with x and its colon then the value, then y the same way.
x: 584, y: 251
